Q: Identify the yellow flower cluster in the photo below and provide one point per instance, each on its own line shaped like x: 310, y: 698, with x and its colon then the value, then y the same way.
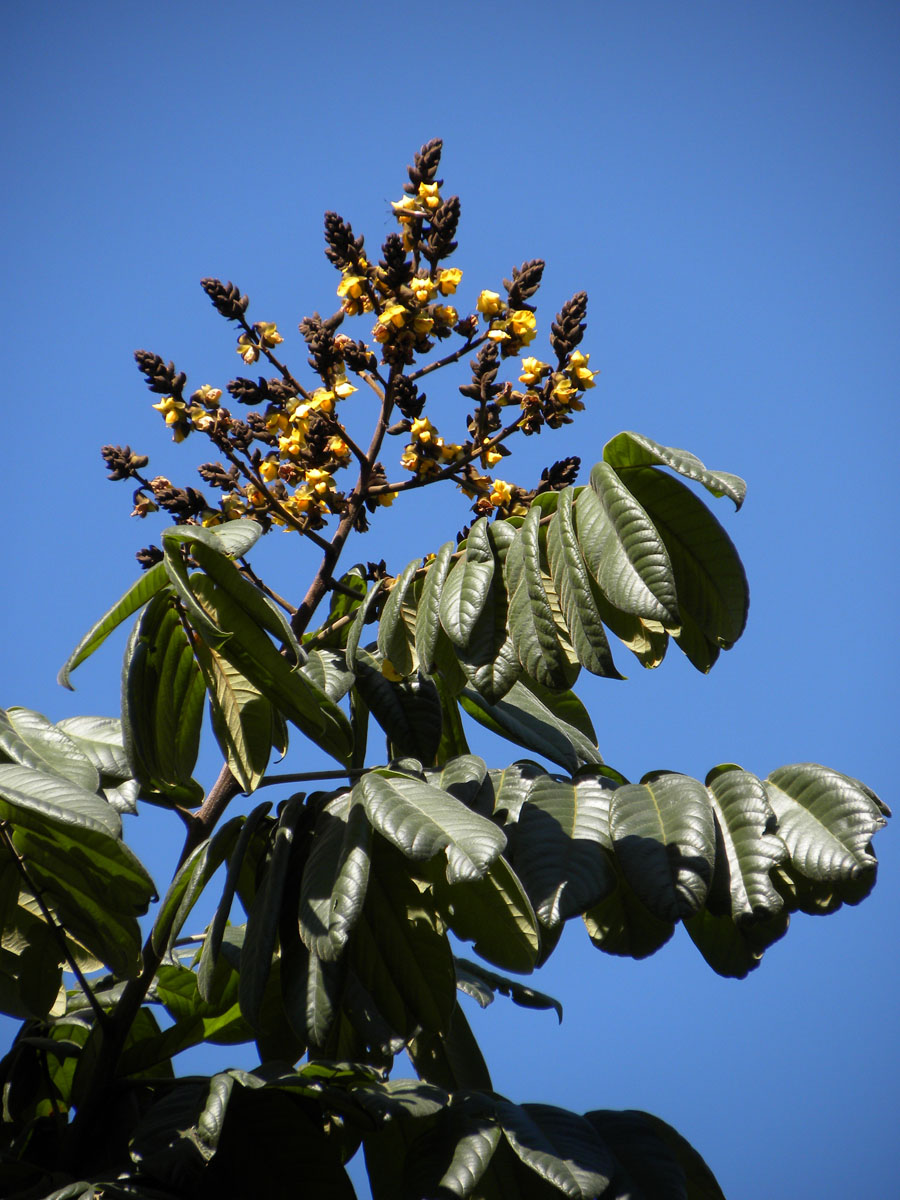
x: 510, y: 328
x: 202, y: 412
x: 267, y: 337
x: 411, y: 208
x: 428, y: 453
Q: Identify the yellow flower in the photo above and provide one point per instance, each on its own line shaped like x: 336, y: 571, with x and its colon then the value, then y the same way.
x: 563, y: 391
x: 451, y: 452
x: 523, y: 326
x: 406, y: 209
x: 386, y: 499
x: 291, y: 446
x: 422, y: 430
x: 255, y: 496
x: 429, y: 195
x: 423, y: 289
x: 445, y: 314
x: 501, y: 493
x: 322, y: 400
x: 268, y: 333
x: 247, y: 349
x: 319, y: 482
x: 143, y: 504
x: 423, y: 325
x: 394, y: 314
x: 532, y: 371
x: 342, y: 387
x: 268, y: 469
x: 352, y: 286
x: 208, y: 396
x: 490, y: 458
x: 233, y: 506
x: 173, y: 410
x: 490, y: 304
x: 448, y: 280
x: 579, y: 372
x: 339, y: 448
x: 497, y: 332
x: 409, y: 459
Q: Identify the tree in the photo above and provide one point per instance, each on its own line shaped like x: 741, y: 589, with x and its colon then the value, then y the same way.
x: 330, y: 944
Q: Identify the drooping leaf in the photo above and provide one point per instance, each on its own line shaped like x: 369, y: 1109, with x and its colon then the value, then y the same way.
x: 664, y: 839
x: 136, y: 597
x: 557, y: 847
x: 242, y: 719
x: 28, y: 738
x: 250, y: 651
x: 100, y: 739
x: 475, y: 980
x: 747, y: 848
x: 421, y: 820
x: 709, y: 576
x: 336, y: 877
x: 189, y: 881
x: 576, y: 595
x: 494, y: 913
x: 408, y: 710
x: 559, y: 1146
x: 328, y: 671
x: 393, y: 636
x: 623, y: 550
x: 162, y: 705
x: 524, y: 719
x: 428, y: 609
x: 535, y: 635
x: 826, y: 820
x: 635, y: 450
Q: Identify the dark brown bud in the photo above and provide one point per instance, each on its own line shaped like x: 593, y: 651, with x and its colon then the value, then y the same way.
x: 438, y: 242
x: 149, y: 557
x: 216, y: 476
x: 245, y: 391
x: 395, y: 268
x: 425, y: 166
x: 407, y: 397
x: 561, y: 475
x: 226, y: 297
x: 524, y: 283
x: 123, y: 464
x: 341, y: 247
x: 162, y: 378
x: 568, y: 328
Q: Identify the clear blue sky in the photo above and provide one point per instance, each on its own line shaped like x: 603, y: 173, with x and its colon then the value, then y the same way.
x: 722, y: 179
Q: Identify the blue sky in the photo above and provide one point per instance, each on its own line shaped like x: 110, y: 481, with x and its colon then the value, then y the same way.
x: 722, y: 180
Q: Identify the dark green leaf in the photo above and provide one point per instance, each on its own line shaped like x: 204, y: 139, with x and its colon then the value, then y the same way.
x: 635, y: 450
x: 393, y: 636
x: 136, y: 597
x: 664, y: 838
x: 428, y: 609
x: 494, y: 913
x: 335, y: 877
x: 28, y: 738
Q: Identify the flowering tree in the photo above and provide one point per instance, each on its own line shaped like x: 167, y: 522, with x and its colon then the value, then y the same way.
x: 330, y: 946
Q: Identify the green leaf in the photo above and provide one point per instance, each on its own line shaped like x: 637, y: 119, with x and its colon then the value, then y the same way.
x: 826, y: 820
x: 28, y: 738
x: 327, y: 670
x: 162, y: 704
x: 747, y: 848
x: 559, y: 1146
x: 250, y: 652
x: 136, y: 597
x: 189, y: 881
x: 213, y: 940
x: 242, y: 719
x: 399, y: 952
x: 646, y: 1166
x: 709, y: 576
x: 734, y: 949
x: 36, y: 800
x: 635, y: 450
x: 474, y: 611
x: 409, y: 710
x: 262, y: 922
x: 100, y: 739
x: 524, y: 719
x: 557, y: 847
x: 494, y: 913
x: 421, y: 820
x: 624, y: 552
x: 576, y: 595
x: 336, y: 877
x: 360, y: 619
x: 532, y: 627
x: 251, y: 599
x: 428, y: 609
x: 342, y: 606
x: 393, y: 636
x: 664, y: 838
x: 475, y: 980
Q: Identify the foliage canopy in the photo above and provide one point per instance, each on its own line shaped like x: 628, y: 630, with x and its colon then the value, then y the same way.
x: 329, y: 947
